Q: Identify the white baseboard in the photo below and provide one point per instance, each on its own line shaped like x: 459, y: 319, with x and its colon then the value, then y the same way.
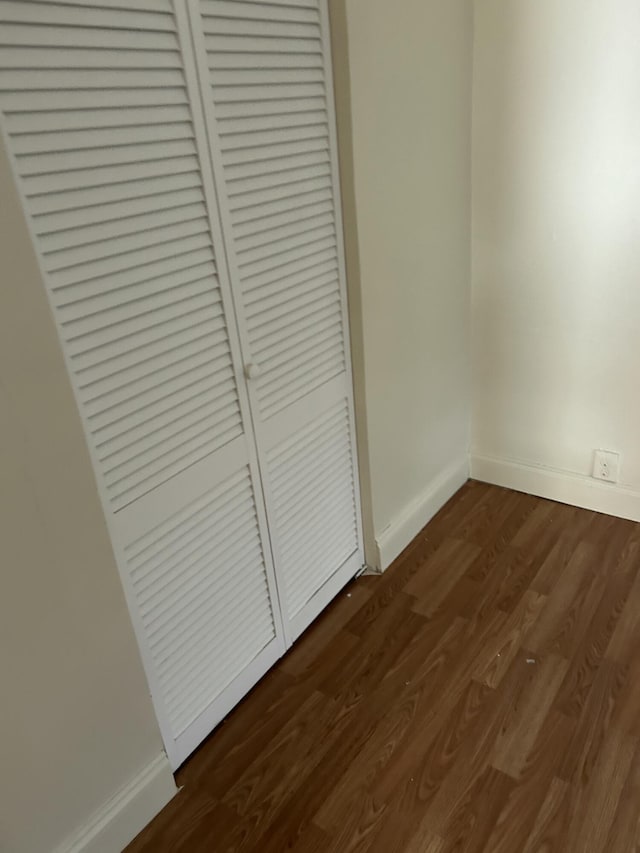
x: 562, y: 486
x: 405, y: 527
x: 121, y: 818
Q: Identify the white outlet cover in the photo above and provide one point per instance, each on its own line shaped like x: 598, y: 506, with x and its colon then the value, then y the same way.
x: 606, y: 465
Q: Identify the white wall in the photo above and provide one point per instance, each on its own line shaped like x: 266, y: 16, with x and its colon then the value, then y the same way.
x: 403, y: 91
x: 556, y: 245
x: 76, y: 719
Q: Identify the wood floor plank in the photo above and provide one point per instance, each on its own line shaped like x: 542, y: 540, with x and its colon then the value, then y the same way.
x: 593, y: 648
x: 536, y: 524
x: 555, y: 562
x: 313, y: 643
x: 596, y: 721
x: 385, y: 597
x: 355, y: 834
x: 625, y: 638
x: 513, y: 575
x: 439, y: 574
x: 549, y: 830
x: 244, y: 734
x: 570, y: 606
x: 520, y: 730
x: 313, y: 840
x: 359, y: 674
x: 624, y: 835
x: 626, y: 710
x: 418, y: 843
x: 296, y: 813
x: 445, y: 692
x: 483, y: 696
x: 475, y: 594
x: 593, y: 805
x: 520, y: 810
x: 407, y: 715
x: 491, y: 510
x: 500, y: 537
x: 441, y: 748
x: 264, y: 791
x: 609, y: 534
x: 504, y: 647
x: 474, y: 753
x: 434, y: 648
x: 266, y: 779
x: 364, y: 769
x: 472, y: 823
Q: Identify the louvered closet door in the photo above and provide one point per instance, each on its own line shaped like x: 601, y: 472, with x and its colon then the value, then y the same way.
x: 266, y: 79
x: 95, y: 99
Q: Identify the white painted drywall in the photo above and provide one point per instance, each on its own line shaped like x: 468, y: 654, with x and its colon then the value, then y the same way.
x: 403, y: 92
x: 76, y: 721
x: 556, y: 236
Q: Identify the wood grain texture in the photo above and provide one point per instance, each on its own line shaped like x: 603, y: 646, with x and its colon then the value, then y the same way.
x: 483, y: 696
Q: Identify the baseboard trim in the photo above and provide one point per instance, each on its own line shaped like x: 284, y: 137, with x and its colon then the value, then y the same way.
x: 405, y: 527
x: 122, y: 817
x: 561, y: 486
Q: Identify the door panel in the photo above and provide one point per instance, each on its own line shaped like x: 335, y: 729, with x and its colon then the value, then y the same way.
x: 97, y: 109
x: 266, y: 82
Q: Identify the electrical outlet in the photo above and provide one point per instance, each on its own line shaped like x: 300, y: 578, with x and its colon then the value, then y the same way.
x: 606, y: 465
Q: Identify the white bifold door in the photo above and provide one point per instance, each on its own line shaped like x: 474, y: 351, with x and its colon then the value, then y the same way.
x: 177, y: 165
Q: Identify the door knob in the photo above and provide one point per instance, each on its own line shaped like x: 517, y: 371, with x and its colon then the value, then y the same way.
x: 252, y: 371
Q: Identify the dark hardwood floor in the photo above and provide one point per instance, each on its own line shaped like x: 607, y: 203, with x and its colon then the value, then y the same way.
x: 483, y: 695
